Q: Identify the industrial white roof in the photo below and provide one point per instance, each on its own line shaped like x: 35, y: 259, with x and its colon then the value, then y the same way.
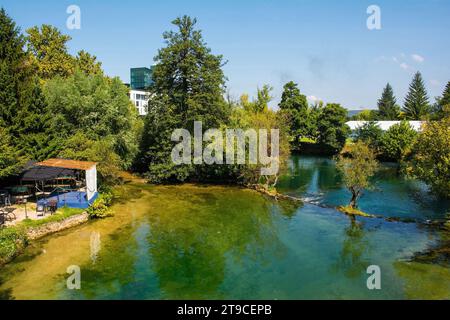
x: 384, y: 125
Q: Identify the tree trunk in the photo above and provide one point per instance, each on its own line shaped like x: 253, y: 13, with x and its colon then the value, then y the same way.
x: 355, y: 195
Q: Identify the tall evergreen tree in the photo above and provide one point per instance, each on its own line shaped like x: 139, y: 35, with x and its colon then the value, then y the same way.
x: 441, y: 102
x: 10, y: 159
x: 12, y: 62
x: 23, y: 111
x: 445, y: 99
x: 33, y: 128
x: 416, y: 105
x: 189, y: 79
x: 190, y: 76
x: 387, y: 108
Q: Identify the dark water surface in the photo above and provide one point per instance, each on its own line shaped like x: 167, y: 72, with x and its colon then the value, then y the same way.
x: 213, y: 242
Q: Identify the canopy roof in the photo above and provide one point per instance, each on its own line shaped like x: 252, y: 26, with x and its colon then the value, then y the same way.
x: 42, y: 173
x: 67, y: 164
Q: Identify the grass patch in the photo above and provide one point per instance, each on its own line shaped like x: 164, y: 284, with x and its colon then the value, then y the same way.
x: 348, y: 210
x: 59, y: 215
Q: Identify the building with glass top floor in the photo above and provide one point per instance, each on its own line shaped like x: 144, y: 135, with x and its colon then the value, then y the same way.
x: 140, y: 81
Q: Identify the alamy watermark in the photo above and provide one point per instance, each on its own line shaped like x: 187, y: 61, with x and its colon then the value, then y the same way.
x: 73, y: 282
x: 235, y: 142
x: 74, y: 20
x: 374, y: 20
x: 374, y: 280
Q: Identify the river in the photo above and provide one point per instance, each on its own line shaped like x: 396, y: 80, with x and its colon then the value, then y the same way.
x: 223, y: 242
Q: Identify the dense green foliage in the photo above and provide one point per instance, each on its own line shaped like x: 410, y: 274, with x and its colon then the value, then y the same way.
x: 387, y: 107
x: 256, y: 115
x: 48, y: 47
x: 396, y: 143
x: 10, y: 159
x: 331, y: 126
x: 96, y: 106
x: 23, y: 111
x: 295, y: 106
x: 416, y: 105
x: 431, y: 155
x: 55, y: 105
x: 371, y: 134
x: 88, y: 63
x: 357, y: 166
x: 81, y: 147
x: 393, y: 145
x: 313, y: 125
x: 12, y: 241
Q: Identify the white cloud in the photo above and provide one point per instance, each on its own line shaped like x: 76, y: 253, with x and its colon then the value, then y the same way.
x: 417, y: 58
x: 404, y: 66
x: 313, y: 99
x: 435, y: 82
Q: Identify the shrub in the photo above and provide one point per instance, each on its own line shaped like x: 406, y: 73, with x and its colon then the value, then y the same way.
x: 100, y: 208
x: 12, y: 242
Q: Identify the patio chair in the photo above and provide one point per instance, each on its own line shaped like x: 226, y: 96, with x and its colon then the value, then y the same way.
x: 8, y: 214
x: 40, y: 208
x: 52, y: 206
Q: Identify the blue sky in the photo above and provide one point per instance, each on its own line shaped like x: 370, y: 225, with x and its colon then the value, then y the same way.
x: 323, y: 45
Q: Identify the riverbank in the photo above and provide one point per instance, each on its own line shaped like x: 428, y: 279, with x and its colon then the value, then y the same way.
x: 14, y: 239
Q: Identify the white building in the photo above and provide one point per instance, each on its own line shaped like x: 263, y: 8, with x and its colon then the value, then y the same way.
x: 140, y: 100
x: 384, y: 125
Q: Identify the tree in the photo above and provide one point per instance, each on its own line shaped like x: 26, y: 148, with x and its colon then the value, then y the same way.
x: 387, y: 107
x: 10, y: 159
x: 88, y: 63
x: 32, y: 129
x: 12, y: 62
x: 366, y: 115
x: 190, y: 76
x: 357, y: 168
x: 332, y: 129
x: 416, y: 105
x: 396, y: 143
x: 263, y: 98
x: 295, y: 106
x: 189, y: 79
x: 99, y: 107
x: 23, y: 109
x: 256, y: 115
x: 431, y: 155
x: 442, y: 102
x: 48, y: 46
x: 80, y: 147
x: 371, y: 134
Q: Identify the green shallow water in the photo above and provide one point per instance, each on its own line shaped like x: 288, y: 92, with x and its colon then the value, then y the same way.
x: 213, y: 242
